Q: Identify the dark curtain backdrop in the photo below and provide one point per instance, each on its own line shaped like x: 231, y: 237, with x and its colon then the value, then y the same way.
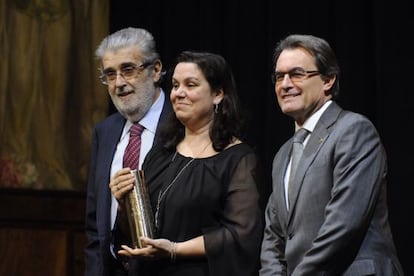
x: 371, y: 42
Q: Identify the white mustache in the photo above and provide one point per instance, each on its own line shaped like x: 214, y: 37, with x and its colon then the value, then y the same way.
x: 123, y: 90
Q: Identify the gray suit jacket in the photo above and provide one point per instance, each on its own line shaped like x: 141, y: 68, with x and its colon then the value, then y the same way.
x: 337, y: 223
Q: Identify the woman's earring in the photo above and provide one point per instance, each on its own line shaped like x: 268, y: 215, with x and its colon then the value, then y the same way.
x: 216, y: 108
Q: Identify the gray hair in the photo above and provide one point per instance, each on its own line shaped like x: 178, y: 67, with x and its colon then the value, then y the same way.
x: 127, y: 37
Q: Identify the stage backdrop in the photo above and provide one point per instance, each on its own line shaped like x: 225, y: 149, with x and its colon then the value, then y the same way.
x: 50, y: 96
x: 371, y: 42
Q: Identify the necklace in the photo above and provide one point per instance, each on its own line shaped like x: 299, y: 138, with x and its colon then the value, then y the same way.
x: 162, y: 193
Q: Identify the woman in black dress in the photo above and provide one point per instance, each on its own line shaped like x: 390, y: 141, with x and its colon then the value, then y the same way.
x: 203, y: 180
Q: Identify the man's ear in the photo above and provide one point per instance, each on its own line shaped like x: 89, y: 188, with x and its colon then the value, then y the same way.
x: 157, y: 70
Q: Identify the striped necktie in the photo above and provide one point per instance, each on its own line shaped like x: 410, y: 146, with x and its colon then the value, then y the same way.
x: 131, y: 154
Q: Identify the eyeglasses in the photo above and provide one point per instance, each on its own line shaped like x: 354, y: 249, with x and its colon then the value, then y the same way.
x: 295, y: 75
x: 128, y: 72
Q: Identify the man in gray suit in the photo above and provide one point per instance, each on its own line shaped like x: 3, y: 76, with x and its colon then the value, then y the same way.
x: 331, y: 218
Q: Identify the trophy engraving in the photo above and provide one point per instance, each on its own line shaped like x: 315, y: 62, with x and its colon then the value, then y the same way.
x: 139, y: 212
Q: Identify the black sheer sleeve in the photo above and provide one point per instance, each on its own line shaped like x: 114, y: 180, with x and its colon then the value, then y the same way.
x: 233, y: 248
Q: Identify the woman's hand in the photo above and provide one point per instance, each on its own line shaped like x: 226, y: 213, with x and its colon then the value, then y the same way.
x: 153, y: 249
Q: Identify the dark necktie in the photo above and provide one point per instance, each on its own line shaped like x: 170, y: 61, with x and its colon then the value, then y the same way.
x: 131, y: 154
x: 297, y: 149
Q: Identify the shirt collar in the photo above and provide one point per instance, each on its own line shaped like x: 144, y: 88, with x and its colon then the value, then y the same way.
x: 150, y: 120
x: 310, y: 123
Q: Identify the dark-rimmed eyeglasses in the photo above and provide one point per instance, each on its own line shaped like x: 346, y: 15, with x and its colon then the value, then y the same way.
x: 295, y: 75
x: 127, y: 72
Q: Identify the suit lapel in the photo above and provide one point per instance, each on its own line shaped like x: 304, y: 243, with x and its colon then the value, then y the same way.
x: 317, y: 139
x: 109, y: 142
x: 166, y: 111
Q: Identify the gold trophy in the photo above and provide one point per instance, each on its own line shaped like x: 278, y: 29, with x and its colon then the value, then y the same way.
x: 139, y: 213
